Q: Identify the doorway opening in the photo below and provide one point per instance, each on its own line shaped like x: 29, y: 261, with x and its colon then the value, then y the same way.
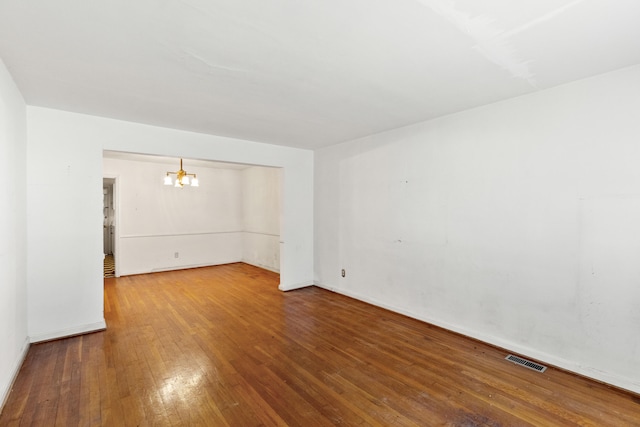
x: 108, y: 227
x: 235, y: 215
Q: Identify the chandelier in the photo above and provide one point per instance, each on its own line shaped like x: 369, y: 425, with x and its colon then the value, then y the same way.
x: 182, y: 178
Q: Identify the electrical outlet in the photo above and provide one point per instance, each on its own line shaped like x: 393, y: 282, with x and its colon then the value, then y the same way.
x: 344, y: 272
x: 176, y: 255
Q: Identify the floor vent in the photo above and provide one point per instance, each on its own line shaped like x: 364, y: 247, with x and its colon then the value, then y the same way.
x: 526, y: 363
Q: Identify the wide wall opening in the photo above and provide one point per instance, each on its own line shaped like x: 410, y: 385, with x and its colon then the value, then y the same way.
x: 232, y: 215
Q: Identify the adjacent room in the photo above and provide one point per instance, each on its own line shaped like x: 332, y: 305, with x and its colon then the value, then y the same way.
x: 232, y: 215
x: 392, y: 197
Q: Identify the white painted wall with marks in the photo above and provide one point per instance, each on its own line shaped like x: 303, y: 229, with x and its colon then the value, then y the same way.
x: 515, y: 223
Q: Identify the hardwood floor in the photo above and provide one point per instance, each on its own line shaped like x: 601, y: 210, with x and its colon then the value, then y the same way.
x: 109, y: 264
x: 221, y: 346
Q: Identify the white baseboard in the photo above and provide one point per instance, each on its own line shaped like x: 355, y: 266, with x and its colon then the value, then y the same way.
x: 549, y: 359
x: 185, y: 267
x: 173, y: 268
x: 283, y: 287
x: 264, y: 267
x: 69, y: 332
x: 4, y: 393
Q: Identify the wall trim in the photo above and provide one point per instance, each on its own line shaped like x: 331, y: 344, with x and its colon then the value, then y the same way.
x: 4, y: 394
x: 69, y: 332
x: 261, y: 233
x: 142, y: 236
x: 292, y: 287
x: 548, y: 359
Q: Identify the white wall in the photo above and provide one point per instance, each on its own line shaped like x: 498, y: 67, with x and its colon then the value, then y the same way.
x: 13, y: 283
x: 516, y: 223
x: 262, y: 204
x: 64, y: 211
x: 65, y: 208
x: 203, y: 225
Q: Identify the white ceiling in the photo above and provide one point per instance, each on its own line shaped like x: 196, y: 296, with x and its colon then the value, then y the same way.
x: 304, y: 73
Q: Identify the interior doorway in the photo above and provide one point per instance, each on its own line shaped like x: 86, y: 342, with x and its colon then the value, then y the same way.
x: 108, y: 227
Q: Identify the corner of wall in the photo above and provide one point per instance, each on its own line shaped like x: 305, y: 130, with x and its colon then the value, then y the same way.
x: 4, y: 393
x: 69, y: 332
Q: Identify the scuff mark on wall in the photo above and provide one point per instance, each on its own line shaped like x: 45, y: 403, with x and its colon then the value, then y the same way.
x: 491, y: 41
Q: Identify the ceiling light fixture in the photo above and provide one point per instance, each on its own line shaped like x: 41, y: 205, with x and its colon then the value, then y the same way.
x: 182, y: 178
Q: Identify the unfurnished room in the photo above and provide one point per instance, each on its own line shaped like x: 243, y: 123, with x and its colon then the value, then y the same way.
x: 309, y: 213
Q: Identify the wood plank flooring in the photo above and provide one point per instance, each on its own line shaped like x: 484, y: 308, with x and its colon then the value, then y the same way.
x: 109, y: 266
x: 221, y: 346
